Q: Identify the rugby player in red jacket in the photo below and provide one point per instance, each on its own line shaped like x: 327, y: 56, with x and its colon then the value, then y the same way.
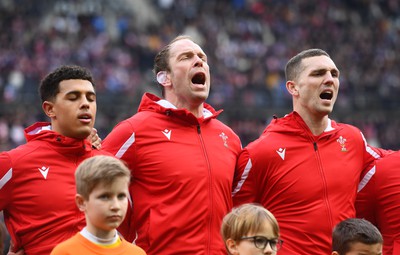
x: 181, y: 156
x: 305, y: 167
x: 37, y: 185
x: 378, y: 200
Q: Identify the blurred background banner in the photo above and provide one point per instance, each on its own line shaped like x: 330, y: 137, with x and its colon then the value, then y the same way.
x: 247, y: 42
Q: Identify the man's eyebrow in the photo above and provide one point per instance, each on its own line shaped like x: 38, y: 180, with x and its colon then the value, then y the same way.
x: 191, y: 53
x: 188, y: 52
x: 77, y: 92
x: 324, y: 69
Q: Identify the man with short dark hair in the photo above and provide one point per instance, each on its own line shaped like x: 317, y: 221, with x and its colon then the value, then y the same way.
x: 305, y: 167
x: 37, y: 185
x: 356, y: 236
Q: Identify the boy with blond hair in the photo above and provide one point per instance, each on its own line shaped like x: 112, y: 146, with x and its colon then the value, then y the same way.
x: 102, y: 194
x: 250, y: 229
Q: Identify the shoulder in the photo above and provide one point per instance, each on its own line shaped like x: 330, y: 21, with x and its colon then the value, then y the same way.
x: 64, y: 247
x: 349, y: 133
x: 265, y: 142
x: 224, y: 128
x: 139, y: 120
x: 346, y: 127
x: 102, y: 152
x: 390, y: 161
x: 20, y: 152
x: 133, y: 249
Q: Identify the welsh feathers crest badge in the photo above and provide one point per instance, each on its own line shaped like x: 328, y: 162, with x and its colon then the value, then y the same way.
x: 342, y: 142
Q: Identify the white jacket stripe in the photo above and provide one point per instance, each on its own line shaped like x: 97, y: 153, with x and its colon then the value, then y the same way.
x: 369, y: 149
x: 125, y: 146
x: 5, y: 178
x: 366, y: 179
x: 243, y: 178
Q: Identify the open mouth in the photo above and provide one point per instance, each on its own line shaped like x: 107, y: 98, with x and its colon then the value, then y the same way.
x: 199, y: 78
x: 326, y: 95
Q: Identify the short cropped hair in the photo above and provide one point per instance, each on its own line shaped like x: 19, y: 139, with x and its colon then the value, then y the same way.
x: 98, y: 169
x: 354, y: 230
x: 50, y: 84
x: 294, y: 66
x: 245, y: 219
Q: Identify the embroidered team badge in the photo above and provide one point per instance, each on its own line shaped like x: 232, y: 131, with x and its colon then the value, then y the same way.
x: 224, y: 139
x: 342, y: 142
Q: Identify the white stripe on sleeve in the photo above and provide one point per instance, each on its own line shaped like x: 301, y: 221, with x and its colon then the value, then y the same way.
x: 5, y: 178
x: 125, y: 146
x: 369, y: 149
x: 367, y: 177
x: 243, y: 178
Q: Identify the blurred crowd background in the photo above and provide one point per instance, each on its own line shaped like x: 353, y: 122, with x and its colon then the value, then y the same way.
x: 248, y: 43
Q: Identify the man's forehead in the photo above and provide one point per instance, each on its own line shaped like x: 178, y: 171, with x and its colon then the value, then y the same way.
x: 319, y: 62
x: 83, y: 86
x: 184, y: 45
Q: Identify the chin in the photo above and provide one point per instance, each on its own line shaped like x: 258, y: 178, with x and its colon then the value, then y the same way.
x: 203, y: 96
x: 83, y: 134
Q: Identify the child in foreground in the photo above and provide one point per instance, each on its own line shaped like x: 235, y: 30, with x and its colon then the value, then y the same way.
x: 250, y: 229
x: 355, y: 236
x: 102, y: 194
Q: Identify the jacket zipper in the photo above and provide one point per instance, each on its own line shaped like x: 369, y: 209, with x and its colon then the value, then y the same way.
x: 321, y: 170
x: 208, y: 240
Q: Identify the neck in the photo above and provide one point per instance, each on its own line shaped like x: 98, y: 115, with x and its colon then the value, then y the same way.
x: 99, y: 240
x: 316, y: 124
x: 195, y: 108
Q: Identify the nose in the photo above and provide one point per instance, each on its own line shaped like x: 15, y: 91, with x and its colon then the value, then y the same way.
x: 268, y: 249
x: 85, y: 102
x: 199, y: 61
x: 115, y: 204
x: 329, y: 78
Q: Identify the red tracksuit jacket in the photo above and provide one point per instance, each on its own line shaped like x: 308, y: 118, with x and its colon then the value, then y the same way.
x: 37, y: 189
x: 308, y: 182
x: 379, y: 201
x: 182, y: 170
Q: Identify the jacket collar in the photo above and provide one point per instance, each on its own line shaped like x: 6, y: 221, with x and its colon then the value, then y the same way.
x: 41, y: 131
x: 153, y: 103
x: 294, y: 123
x: 166, y: 104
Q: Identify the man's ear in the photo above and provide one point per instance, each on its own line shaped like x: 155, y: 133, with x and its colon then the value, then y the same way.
x: 164, y: 78
x: 292, y: 88
x: 80, y: 202
x: 335, y: 253
x: 232, y: 246
x: 48, y: 108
